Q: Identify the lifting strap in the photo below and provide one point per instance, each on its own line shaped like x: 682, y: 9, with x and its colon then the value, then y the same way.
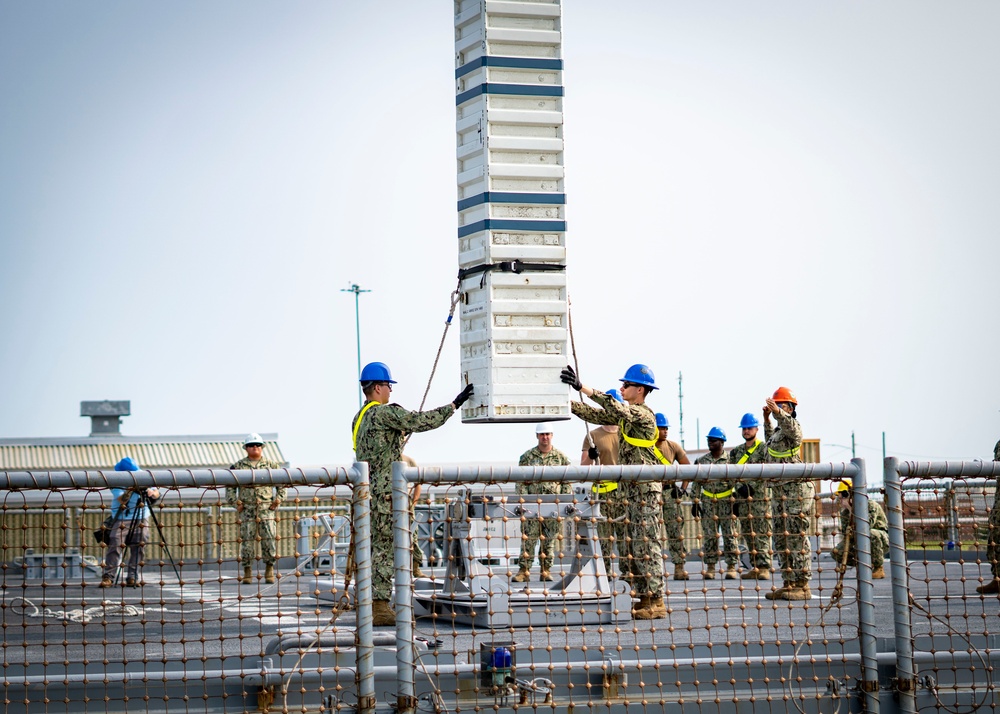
x: 749, y: 453
x: 783, y: 454
x: 507, y: 266
x: 357, y: 424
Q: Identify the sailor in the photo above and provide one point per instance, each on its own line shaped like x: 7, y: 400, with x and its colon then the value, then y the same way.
x: 544, y: 454
x: 753, y: 502
x: 993, y: 542
x: 670, y: 452
x: 878, y: 531
x: 713, y: 502
x: 379, y: 431
x: 792, y: 501
x: 639, y: 503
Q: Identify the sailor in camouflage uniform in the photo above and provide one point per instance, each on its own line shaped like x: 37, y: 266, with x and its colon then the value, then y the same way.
x: 993, y: 542
x: 753, y: 502
x: 638, y: 535
x: 713, y: 502
x: 379, y: 431
x: 672, y: 533
x: 878, y: 529
x: 255, y: 506
x: 541, y: 455
x: 793, y: 502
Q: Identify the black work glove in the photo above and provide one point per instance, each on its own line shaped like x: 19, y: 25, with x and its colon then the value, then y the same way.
x: 463, y: 396
x: 677, y: 492
x: 593, y: 454
x: 744, y: 491
x: 568, y: 376
x: 696, y: 509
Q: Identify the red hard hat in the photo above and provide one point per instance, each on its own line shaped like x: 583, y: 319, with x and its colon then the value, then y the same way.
x: 784, y: 394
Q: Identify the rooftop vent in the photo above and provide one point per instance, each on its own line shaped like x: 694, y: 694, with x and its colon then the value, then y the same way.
x: 105, y: 417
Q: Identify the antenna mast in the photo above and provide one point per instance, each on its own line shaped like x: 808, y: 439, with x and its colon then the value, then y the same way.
x: 680, y: 404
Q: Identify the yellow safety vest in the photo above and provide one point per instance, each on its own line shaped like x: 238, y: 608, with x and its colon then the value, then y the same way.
x: 357, y: 424
x: 783, y: 454
x: 743, y: 459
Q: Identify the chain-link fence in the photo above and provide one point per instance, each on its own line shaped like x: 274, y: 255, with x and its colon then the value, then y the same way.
x: 688, y: 588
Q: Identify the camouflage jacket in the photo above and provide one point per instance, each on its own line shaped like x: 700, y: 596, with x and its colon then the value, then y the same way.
x: 534, y: 457
x: 876, y: 519
x: 251, y: 495
x: 782, y: 439
x: 384, y: 428
x: 711, y: 486
x: 637, y: 421
x: 996, y: 452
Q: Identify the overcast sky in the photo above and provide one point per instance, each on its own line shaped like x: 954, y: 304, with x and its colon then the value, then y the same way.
x: 759, y: 194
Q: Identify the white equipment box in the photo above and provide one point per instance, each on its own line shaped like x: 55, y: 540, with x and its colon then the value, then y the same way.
x: 511, y: 209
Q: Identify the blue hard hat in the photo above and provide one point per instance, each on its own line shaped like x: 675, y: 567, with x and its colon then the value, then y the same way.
x: 616, y: 394
x: 640, y: 374
x: 661, y: 421
x: 748, y: 421
x: 127, y: 464
x: 376, y: 372
x: 716, y: 433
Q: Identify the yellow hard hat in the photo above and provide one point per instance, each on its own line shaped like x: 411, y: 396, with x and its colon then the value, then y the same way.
x: 844, y: 485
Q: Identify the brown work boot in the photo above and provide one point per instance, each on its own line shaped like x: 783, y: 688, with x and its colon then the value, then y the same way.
x: 732, y: 573
x: 105, y: 582
x: 130, y: 582
x: 522, y: 576
x: 546, y: 576
x: 798, y: 590
x: 269, y: 574
x: 878, y: 573
x: 417, y: 572
x: 650, y: 607
x: 709, y: 573
x: 990, y: 588
x: 247, y: 575
x: 778, y: 593
x: 680, y: 573
x: 382, y: 614
x: 756, y: 574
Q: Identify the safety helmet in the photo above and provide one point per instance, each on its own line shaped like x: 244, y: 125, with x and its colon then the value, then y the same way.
x: 661, y: 421
x: 640, y: 374
x: 253, y: 440
x: 543, y: 428
x: 784, y: 394
x: 843, y: 485
x: 749, y: 421
x: 376, y: 372
x: 716, y: 433
x: 616, y: 394
x: 127, y: 464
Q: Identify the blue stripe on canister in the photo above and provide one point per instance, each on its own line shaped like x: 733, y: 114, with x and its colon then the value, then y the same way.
x: 549, y: 199
x: 509, y: 62
x: 521, y: 90
x: 511, y: 225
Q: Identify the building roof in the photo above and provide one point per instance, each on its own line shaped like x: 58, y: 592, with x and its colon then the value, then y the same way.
x: 150, y: 452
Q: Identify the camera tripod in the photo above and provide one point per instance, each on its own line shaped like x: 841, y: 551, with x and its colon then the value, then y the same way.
x: 135, y: 523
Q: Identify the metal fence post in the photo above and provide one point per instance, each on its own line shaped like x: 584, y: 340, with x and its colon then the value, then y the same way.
x: 363, y: 604
x: 866, y: 590
x: 906, y: 677
x: 402, y: 560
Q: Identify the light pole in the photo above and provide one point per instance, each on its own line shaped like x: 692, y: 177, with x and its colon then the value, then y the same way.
x: 357, y: 330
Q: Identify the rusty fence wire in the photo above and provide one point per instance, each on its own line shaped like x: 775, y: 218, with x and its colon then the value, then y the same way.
x: 540, y: 588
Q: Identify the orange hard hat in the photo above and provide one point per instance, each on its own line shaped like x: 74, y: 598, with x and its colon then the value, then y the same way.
x: 784, y: 394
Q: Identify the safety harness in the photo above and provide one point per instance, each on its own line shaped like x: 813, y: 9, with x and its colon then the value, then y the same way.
x: 749, y: 453
x: 357, y: 424
x: 608, y: 486
x: 783, y: 454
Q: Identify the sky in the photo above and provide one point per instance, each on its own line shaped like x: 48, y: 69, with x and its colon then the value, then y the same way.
x: 758, y: 194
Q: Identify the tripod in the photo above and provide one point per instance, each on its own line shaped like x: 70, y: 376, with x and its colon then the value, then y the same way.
x: 136, y: 522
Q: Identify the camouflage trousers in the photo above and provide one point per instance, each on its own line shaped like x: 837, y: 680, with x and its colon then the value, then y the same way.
x: 673, y: 523
x: 120, y: 536
x: 633, y: 510
x: 993, y: 541
x: 257, y: 526
x: 754, y: 515
x: 611, y: 530
x: 717, y: 517
x: 531, y: 529
x: 792, y: 507
x: 880, y: 548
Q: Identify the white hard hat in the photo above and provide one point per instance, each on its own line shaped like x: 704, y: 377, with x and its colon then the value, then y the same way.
x: 253, y: 439
x: 543, y: 428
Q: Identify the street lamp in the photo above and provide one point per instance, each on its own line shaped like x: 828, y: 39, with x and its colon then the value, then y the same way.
x: 357, y: 330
